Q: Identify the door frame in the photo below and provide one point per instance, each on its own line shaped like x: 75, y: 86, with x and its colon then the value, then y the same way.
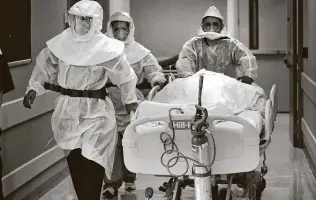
x: 294, y: 62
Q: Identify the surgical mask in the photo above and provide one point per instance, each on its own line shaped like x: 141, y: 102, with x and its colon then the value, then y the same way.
x: 121, y: 35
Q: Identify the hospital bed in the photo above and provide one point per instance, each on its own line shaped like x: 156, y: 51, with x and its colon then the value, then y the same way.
x: 236, y: 153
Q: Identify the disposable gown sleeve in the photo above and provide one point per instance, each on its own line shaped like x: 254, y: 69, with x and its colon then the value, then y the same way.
x: 45, y: 70
x: 244, y: 58
x: 152, y: 70
x: 123, y: 75
x: 186, y: 64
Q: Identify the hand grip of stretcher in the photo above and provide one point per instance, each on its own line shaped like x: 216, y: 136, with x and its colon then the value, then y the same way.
x: 153, y: 92
x: 247, y: 127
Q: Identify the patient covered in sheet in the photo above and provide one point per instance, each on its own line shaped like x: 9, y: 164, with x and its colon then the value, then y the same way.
x: 220, y: 95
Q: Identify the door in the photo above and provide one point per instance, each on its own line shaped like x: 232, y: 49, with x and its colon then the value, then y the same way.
x: 294, y: 63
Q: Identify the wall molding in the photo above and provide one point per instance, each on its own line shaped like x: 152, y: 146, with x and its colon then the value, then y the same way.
x: 310, y: 141
x: 309, y: 86
x: 14, y: 113
x: 20, y: 62
x: 31, y: 169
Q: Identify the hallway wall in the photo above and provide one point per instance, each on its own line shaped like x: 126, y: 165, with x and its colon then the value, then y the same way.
x: 272, y: 37
x: 164, y: 26
x: 26, y: 132
x: 309, y: 82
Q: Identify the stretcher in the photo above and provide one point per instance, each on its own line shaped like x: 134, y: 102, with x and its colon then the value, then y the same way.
x: 236, y: 143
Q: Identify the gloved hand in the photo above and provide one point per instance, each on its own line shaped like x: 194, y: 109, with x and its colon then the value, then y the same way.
x: 162, y: 85
x: 131, y: 107
x: 29, y: 99
x: 245, y: 79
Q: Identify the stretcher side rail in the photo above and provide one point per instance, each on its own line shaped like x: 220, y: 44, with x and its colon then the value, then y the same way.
x: 267, y: 124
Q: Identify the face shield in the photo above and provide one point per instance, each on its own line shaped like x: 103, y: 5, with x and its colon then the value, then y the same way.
x: 212, y: 24
x: 81, y: 26
x: 120, y: 30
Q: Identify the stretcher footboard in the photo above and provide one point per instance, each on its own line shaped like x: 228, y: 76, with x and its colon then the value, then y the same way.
x: 237, y: 150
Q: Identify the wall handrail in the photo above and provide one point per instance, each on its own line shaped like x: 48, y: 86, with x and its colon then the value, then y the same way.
x: 269, y: 52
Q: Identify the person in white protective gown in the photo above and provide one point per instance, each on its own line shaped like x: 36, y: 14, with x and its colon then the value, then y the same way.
x: 121, y: 27
x: 81, y: 60
x: 212, y: 49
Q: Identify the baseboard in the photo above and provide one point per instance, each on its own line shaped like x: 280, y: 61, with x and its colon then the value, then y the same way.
x: 43, y: 183
x: 31, y: 169
x: 14, y: 113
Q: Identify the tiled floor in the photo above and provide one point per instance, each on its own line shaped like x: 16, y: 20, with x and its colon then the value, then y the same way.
x: 289, y: 176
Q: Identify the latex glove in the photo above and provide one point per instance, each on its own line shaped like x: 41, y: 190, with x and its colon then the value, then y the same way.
x: 162, y: 85
x: 131, y: 107
x: 245, y: 79
x: 29, y: 99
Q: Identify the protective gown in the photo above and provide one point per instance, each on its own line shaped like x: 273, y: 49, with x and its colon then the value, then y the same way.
x: 142, y: 61
x: 216, y: 52
x: 77, y: 122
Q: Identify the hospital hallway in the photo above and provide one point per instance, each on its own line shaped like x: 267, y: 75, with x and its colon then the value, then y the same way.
x: 289, y: 176
x: 60, y: 65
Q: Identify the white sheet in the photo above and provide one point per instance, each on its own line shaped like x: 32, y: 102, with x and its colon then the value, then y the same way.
x: 221, y: 94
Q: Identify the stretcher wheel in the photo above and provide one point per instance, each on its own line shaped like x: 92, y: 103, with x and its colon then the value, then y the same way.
x: 149, y: 192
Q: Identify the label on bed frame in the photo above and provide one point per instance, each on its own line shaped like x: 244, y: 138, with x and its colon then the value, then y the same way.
x: 180, y: 124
